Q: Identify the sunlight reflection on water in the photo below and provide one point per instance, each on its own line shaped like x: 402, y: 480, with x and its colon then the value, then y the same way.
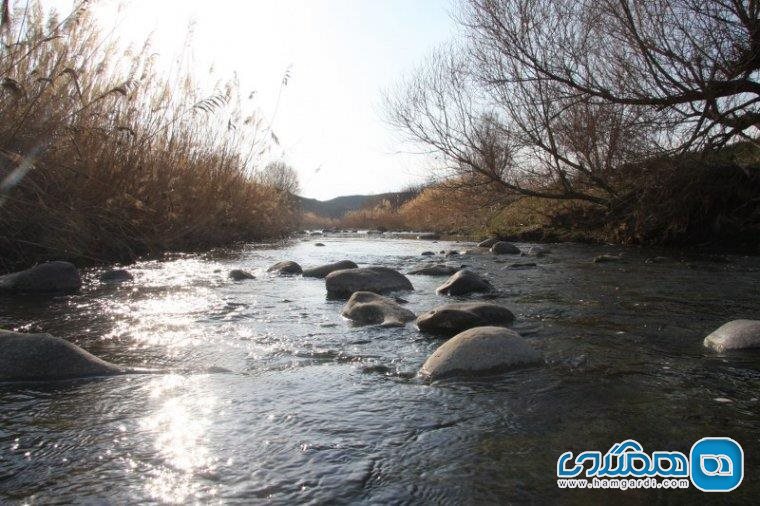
x: 179, y: 426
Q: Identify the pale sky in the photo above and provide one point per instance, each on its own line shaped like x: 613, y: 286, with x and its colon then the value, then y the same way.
x: 342, y: 54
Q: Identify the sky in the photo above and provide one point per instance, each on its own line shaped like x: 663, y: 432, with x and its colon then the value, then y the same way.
x: 341, y: 56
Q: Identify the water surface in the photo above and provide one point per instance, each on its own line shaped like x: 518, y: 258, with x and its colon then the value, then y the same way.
x: 313, y: 409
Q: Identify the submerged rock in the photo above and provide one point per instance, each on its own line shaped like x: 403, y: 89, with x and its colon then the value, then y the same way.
x: 44, y: 357
x: 48, y: 277
x: 480, y: 350
x: 452, y: 253
x: 342, y: 284
x: 324, y: 270
x: 319, y: 244
x: 735, y: 335
x: 370, y: 308
x: 522, y: 265
x: 435, y: 270
x: 454, y: 318
x: 602, y: 259
x: 537, y: 251
x: 487, y: 243
x: 428, y: 253
x: 240, y: 275
x: 463, y: 282
x: 117, y: 276
x: 505, y: 248
x: 286, y: 268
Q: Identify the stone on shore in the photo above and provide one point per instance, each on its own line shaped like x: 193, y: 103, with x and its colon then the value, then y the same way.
x: 735, y: 335
x: 368, y: 308
x: 480, y: 351
x: 463, y: 282
x: 450, y: 319
x: 44, y: 357
x: 286, y: 268
x: 324, y: 270
x: 49, y: 277
x: 381, y: 280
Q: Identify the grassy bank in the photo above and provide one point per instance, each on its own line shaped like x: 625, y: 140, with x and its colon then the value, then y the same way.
x: 105, y: 158
x: 707, y: 199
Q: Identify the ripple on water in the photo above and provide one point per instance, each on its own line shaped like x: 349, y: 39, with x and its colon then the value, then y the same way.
x: 319, y: 410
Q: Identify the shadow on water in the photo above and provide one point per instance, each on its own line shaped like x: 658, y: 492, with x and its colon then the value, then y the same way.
x: 319, y: 410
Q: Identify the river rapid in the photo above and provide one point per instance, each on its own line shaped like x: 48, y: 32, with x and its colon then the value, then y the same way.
x: 272, y: 396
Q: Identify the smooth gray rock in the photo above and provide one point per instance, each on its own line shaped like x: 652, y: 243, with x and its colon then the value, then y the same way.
x: 240, y: 275
x: 435, y: 270
x: 342, y: 284
x: 369, y: 308
x: 478, y: 351
x: 735, y: 335
x: 44, y: 357
x: 505, y: 248
x: 286, y: 268
x: 116, y: 276
x: 463, y: 282
x: 324, y: 270
x: 487, y: 243
x: 451, y: 319
x: 43, y: 278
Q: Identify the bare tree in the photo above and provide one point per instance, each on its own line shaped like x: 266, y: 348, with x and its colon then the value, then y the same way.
x: 697, y: 62
x: 280, y: 176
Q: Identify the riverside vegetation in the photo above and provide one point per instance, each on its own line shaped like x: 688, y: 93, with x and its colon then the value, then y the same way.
x: 104, y: 158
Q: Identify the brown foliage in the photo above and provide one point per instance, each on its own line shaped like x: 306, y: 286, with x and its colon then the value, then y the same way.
x: 109, y: 161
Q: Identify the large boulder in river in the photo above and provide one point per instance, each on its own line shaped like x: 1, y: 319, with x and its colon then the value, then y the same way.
x: 240, y: 275
x: 435, y: 270
x: 478, y: 351
x: 463, y: 282
x: 369, y: 308
x: 735, y: 335
x: 48, y: 277
x: 286, y: 268
x: 505, y: 248
x: 44, y: 357
x: 487, y: 243
x: 451, y: 319
x: 324, y: 270
x: 342, y: 284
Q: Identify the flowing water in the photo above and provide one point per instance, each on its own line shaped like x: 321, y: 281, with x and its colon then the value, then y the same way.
x: 272, y: 396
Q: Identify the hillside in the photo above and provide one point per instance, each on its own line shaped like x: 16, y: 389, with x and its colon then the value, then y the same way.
x: 337, y: 208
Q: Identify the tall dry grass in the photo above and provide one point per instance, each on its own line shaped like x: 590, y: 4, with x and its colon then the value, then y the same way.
x: 103, y: 157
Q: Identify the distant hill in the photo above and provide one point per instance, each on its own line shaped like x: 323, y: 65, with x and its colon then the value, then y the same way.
x: 339, y: 206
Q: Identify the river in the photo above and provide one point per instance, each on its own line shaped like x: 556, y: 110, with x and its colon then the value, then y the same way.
x: 273, y: 396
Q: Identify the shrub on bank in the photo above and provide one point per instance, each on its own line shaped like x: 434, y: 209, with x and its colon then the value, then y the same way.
x: 103, y: 158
